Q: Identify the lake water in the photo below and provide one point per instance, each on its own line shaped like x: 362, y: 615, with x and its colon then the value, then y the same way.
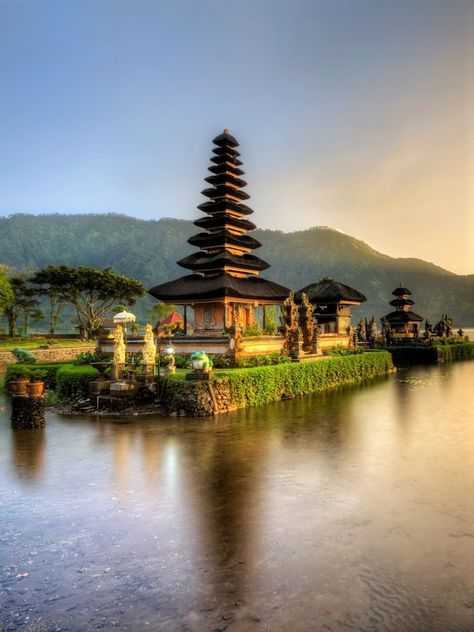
x: 348, y: 511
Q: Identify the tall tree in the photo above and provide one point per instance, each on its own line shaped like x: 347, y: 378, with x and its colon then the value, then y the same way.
x: 6, y: 292
x: 160, y: 311
x: 23, y: 304
x: 93, y: 292
x: 51, y: 283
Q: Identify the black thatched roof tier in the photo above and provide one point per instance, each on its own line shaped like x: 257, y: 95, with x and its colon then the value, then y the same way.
x: 399, y: 317
x: 222, y: 191
x: 222, y: 239
x: 200, y: 261
x: 401, y: 302
x: 220, y: 160
x: 330, y: 292
x: 226, y: 151
x: 223, y: 221
x: 222, y: 206
x: 401, y: 291
x: 225, y: 140
x: 225, y: 168
x: 197, y: 287
x: 225, y: 179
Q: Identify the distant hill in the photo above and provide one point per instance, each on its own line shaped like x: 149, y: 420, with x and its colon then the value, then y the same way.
x: 148, y: 250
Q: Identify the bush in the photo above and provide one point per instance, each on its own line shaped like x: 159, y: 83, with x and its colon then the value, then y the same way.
x: 456, y: 351
x: 181, y: 361
x: 262, y: 360
x: 25, y: 371
x: 432, y: 354
x: 72, y: 382
x: 17, y: 372
x: 261, y: 385
x: 87, y: 357
x: 253, y: 330
x: 341, y: 351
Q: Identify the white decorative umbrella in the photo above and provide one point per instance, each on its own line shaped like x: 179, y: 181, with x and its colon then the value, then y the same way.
x: 124, y: 317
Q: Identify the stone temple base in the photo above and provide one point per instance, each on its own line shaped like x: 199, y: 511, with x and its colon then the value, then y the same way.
x: 27, y: 412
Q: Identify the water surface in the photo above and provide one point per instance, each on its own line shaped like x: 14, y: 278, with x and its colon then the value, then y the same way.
x: 352, y: 510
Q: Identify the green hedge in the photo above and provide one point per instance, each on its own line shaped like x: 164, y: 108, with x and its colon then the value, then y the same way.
x: 25, y: 370
x: 452, y: 352
x: 261, y: 385
x: 72, y: 381
x: 422, y: 354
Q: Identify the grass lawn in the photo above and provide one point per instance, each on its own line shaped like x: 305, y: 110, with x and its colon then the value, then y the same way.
x: 34, y: 343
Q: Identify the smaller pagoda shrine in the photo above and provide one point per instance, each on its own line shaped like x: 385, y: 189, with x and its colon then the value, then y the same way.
x: 332, y: 302
x: 224, y: 288
x: 402, y: 323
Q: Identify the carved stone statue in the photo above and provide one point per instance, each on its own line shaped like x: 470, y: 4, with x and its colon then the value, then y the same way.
x: 305, y: 322
x: 289, y: 325
x: 119, y: 346
x: 23, y: 355
x: 120, y: 352
x: 428, y: 329
x: 149, y: 347
x: 372, y: 331
x: 386, y: 333
x: 362, y: 331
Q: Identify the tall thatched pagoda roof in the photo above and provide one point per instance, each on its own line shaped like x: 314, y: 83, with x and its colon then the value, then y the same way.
x: 224, y: 266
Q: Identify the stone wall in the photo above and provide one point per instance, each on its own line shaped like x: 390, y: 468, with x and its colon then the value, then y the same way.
x: 259, y: 345
x: 54, y: 354
x: 195, y: 399
x: 326, y: 341
x: 27, y: 412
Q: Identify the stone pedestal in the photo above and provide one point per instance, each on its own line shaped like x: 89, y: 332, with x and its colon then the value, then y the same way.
x: 27, y: 412
x: 198, y: 374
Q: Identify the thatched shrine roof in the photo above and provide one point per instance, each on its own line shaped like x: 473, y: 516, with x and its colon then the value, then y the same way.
x: 222, y: 239
x: 225, y: 139
x: 401, y: 302
x: 401, y: 317
x: 329, y: 291
x: 222, y: 220
x: 198, y: 287
x: 217, y: 261
x: 401, y: 291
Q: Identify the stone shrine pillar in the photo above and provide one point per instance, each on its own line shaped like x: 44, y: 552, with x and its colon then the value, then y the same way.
x: 27, y: 412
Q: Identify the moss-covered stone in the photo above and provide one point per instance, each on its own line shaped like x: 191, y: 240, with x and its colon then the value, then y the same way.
x: 238, y: 388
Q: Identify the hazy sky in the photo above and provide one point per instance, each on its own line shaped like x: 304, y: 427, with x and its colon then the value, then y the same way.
x: 356, y: 114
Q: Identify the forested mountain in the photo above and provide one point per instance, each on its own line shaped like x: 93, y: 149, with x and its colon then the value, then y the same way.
x: 148, y: 250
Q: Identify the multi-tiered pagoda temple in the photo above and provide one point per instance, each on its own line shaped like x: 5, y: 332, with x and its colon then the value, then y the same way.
x: 403, y: 322
x: 225, y: 287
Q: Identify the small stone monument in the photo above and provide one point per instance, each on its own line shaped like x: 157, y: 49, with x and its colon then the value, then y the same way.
x: 119, y: 352
x: 149, y: 352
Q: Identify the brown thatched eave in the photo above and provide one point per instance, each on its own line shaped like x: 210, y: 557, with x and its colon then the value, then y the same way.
x: 330, y: 291
x: 197, y: 287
